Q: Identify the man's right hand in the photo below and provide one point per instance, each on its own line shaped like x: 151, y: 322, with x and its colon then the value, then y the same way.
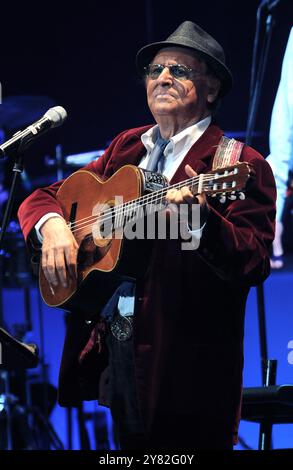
x: 59, y: 251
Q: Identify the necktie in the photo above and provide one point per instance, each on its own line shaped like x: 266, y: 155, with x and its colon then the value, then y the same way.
x: 156, y: 160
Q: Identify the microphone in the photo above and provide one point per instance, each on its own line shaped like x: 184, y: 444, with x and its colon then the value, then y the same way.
x: 54, y: 117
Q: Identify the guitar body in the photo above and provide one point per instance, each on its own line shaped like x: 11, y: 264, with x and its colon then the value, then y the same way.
x: 101, y: 263
x: 92, y: 207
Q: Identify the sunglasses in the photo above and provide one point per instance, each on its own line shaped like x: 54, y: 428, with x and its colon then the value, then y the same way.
x: 178, y: 71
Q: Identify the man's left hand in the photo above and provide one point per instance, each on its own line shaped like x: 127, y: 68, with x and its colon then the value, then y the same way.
x: 185, y: 196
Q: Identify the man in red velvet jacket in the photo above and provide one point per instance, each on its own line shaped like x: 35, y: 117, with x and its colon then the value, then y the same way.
x: 176, y: 382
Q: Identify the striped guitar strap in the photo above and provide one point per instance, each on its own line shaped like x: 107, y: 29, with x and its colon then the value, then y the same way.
x: 228, y: 152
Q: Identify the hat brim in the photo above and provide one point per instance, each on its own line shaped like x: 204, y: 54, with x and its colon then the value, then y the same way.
x: 146, y: 54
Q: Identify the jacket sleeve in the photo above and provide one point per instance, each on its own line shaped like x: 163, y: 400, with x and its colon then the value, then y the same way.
x: 237, y: 237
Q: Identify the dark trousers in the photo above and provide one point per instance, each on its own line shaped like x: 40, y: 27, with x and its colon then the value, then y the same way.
x: 171, y: 431
x: 123, y: 396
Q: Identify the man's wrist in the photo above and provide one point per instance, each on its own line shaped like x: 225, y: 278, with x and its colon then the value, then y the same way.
x: 41, y: 222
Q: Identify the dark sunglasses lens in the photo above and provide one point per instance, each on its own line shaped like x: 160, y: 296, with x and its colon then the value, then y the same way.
x: 155, y: 70
x: 179, y: 71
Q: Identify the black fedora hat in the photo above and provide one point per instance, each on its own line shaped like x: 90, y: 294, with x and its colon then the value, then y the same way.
x: 191, y: 36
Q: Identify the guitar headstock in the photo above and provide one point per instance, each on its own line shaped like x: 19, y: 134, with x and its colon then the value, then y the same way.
x: 227, y: 180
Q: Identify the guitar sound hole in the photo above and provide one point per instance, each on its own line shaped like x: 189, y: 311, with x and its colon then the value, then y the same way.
x: 106, y: 227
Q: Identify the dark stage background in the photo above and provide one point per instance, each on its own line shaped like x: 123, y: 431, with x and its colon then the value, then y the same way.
x: 81, y: 56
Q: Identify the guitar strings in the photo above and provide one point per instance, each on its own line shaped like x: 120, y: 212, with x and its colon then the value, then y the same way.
x: 120, y: 219
x: 120, y: 214
x: 123, y: 210
x: 126, y: 205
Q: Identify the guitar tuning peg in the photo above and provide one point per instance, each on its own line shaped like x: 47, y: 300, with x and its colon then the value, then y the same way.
x: 241, y: 196
x: 223, y: 199
x: 232, y: 196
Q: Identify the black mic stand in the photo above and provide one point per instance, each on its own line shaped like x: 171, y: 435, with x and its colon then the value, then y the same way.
x: 257, y: 76
x: 17, y: 170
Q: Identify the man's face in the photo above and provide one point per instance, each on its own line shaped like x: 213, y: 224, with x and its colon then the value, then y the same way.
x: 187, y: 99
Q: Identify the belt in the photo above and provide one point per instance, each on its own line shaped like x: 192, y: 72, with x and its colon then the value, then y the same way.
x: 122, y: 326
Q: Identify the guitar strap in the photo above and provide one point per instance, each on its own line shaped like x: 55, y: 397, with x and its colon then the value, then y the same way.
x: 227, y: 153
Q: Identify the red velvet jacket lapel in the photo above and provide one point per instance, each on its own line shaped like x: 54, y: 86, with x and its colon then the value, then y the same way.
x: 131, y: 151
x: 199, y: 155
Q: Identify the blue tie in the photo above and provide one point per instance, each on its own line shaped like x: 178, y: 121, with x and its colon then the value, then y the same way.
x: 156, y: 160
x: 126, y: 288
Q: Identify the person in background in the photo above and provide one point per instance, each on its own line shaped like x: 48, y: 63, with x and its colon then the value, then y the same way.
x: 281, y: 146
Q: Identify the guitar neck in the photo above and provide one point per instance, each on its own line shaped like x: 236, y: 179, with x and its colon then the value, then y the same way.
x: 155, y: 201
x: 229, y: 180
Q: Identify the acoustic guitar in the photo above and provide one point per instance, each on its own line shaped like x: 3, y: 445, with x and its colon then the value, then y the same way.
x: 99, y: 212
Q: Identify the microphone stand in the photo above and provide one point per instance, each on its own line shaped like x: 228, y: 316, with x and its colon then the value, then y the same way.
x: 257, y: 76
x: 17, y: 170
